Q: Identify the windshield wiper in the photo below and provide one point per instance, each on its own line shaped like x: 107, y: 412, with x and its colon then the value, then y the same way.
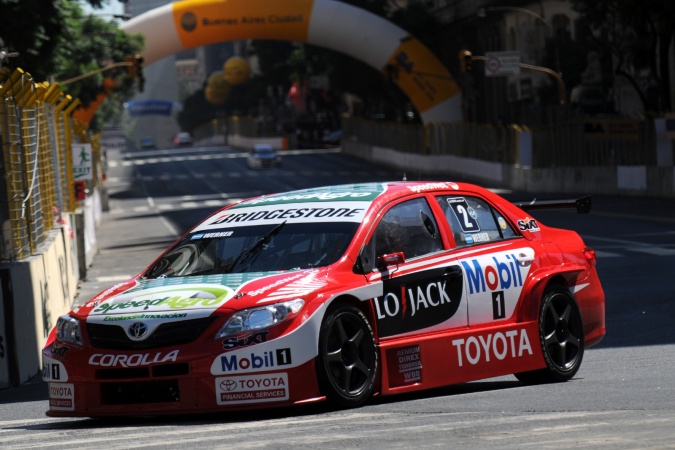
x: 248, y: 253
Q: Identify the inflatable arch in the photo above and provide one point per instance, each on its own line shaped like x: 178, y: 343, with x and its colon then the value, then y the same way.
x: 331, y: 24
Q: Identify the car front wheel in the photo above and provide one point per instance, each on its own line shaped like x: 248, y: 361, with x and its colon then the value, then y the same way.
x: 561, y: 334
x: 347, y: 362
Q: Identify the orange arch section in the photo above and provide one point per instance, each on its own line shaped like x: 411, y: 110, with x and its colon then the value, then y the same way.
x: 326, y: 23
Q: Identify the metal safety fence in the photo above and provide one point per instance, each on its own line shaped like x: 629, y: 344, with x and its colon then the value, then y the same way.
x: 36, y: 136
x: 560, y: 145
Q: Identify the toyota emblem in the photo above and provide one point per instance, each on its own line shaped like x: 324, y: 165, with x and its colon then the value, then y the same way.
x: 137, y: 330
x: 228, y: 385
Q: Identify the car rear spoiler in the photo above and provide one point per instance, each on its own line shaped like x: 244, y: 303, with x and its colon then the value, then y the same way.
x: 583, y: 204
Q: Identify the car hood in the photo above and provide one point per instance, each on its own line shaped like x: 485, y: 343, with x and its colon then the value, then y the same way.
x: 180, y: 298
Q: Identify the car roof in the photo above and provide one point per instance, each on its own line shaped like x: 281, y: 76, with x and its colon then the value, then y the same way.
x: 362, y: 199
x: 385, y: 191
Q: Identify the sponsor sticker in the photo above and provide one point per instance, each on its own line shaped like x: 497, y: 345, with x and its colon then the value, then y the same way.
x: 417, y: 301
x: 52, y: 370
x: 492, y: 347
x: 146, y: 303
x: 417, y: 188
x: 353, y: 211
x: 405, y: 365
x: 271, y: 387
x: 528, y: 224
x: 255, y: 360
x: 245, y: 340
x: 476, y: 238
x: 61, y: 397
x: 132, y: 360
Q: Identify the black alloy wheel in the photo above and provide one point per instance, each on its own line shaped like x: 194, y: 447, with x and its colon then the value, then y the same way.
x: 347, y: 362
x: 561, y: 334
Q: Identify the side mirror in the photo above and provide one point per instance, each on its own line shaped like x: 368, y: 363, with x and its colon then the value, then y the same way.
x: 390, y: 259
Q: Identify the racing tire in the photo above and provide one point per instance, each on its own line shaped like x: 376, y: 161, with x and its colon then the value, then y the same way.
x: 561, y: 334
x: 347, y: 363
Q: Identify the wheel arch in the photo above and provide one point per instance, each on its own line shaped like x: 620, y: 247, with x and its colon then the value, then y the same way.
x: 538, y: 285
x: 366, y: 307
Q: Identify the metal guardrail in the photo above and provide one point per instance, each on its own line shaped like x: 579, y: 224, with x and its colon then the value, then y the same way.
x: 36, y: 131
x: 560, y: 145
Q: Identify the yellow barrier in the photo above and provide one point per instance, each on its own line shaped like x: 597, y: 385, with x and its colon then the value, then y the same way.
x: 36, y: 132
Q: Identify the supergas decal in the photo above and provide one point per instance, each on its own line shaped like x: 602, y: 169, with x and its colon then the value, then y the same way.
x: 365, y: 192
x: 418, y: 301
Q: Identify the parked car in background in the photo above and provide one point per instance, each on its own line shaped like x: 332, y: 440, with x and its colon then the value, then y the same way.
x: 336, y: 293
x: 182, y: 139
x: 263, y: 155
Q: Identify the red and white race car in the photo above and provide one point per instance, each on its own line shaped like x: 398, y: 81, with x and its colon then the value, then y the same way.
x: 335, y: 293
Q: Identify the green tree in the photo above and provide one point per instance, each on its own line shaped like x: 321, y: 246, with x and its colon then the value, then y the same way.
x: 639, y: 37
x: 57, y: 41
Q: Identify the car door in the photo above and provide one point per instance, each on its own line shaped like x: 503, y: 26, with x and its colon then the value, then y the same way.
x: 495, y: 260
x: 422, y: 283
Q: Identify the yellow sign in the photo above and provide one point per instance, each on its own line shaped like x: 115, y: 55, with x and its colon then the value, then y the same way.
x: 420, y: 75
x: 236, y: 20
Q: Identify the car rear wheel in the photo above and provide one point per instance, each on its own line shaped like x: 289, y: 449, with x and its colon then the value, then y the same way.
x: 347, y: 363
x: 561, y: 334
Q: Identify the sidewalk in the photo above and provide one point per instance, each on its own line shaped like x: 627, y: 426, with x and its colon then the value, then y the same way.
x: 127, y: 243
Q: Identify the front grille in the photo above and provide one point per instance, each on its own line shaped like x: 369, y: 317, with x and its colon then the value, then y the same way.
x: 164, y: 370
x: 158, y: 391
x: 113, y: 337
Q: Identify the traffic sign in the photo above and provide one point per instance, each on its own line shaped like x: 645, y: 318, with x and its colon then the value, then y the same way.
x: 502, y: 64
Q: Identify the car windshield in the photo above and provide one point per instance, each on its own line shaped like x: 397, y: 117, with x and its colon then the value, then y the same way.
x: 255, y: 249
x: 264, y: 151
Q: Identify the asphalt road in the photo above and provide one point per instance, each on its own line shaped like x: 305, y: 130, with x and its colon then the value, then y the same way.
x: 622, y: 397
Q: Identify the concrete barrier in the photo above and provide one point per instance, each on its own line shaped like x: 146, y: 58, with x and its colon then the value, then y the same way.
x: 35, y: 291
x: 41, y: 288
x: 4, y: 366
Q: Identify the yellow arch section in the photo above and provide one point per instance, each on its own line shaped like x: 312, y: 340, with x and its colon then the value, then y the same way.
x: 331, y: 24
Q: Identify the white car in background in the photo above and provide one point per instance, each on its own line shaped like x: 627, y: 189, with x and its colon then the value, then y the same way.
x: 263, y: 155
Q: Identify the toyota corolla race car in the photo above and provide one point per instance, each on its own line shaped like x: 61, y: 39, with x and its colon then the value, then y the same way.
x: 338, y: 294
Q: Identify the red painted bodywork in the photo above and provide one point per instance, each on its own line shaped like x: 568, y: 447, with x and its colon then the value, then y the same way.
x: 429, y: 358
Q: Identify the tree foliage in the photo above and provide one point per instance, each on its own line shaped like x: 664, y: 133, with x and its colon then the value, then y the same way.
x: 638, y: 36
x: 57, y: 41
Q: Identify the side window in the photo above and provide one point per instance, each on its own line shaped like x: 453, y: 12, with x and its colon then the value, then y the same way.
x: 474, y: 221
x: 408, y: 227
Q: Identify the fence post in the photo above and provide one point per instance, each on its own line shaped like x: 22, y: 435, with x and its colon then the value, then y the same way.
x: 524, y: 147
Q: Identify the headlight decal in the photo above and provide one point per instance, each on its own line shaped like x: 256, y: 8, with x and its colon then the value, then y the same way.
x: 292, y: 350
x: 68, y: 330
x: 261, y: 318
